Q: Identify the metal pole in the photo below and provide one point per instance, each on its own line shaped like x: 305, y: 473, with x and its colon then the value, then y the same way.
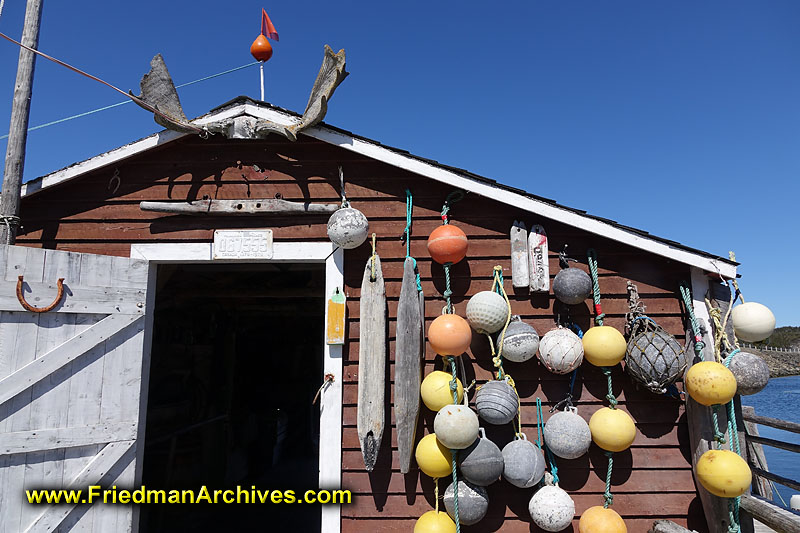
x: 261, y: 68
x: 18, y: 129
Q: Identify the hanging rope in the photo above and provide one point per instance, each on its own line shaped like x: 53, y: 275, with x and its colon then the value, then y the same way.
x: 497, y: 286
x: 612, y: 400
x: 686, y: 294
x: 454, y: 389
x: 542, y: 445
x: 598, y: 308
x: 407, y: 234
x: 452, y: 198
x: 607, y: 496
x: 436, y: 493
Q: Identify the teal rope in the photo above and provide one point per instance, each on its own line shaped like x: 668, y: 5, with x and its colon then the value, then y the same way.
x: 612, y: 400
x: 407, y: 234
x: 542, y: 444
x: 598, y: 309
x: 447, y: 291
x: 686, y: 294
x: 607, y: 496
x: 733, y: 438
x: 87, y: 113
x: 454, y: 453
x: 718, y: 435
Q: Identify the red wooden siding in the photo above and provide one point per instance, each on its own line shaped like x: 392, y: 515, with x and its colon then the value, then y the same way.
x: 651, y: 480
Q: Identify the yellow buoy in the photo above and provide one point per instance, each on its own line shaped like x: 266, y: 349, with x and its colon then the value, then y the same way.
x: 723, y: 473
x: 433, y: 458
x: 435, y: 522
x: 710, y: 383
x: 599, y: 520
x: 612, y: 429
x: 436, y: 391
x: 603, y: 346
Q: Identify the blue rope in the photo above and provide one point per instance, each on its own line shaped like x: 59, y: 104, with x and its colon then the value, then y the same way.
x: 407, y: 235
x: 542, y: 444
x: 87, y: 113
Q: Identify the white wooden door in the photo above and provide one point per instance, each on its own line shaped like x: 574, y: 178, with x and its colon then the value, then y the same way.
x: 70, y: 385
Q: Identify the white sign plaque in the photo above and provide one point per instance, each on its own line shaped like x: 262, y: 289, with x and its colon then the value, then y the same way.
x: 243, y: 244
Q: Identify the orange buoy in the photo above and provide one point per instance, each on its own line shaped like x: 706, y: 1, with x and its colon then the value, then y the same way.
x: 449, y: 335
x: 261, y: 50
x: 447, y: 244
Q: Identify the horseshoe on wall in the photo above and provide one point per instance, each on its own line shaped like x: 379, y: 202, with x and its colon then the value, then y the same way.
x: 33, y: 308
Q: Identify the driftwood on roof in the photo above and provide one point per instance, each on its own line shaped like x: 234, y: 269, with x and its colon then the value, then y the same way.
x: 331, y: 74
x: 237, y: 207
x: 159, y: 92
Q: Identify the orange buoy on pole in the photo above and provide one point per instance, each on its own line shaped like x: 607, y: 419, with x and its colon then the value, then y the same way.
x: 261, y: 50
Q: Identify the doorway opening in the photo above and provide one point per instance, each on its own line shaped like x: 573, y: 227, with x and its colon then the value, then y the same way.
x: 236, y: 360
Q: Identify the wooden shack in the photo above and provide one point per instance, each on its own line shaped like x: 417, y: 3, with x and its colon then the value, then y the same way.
x: 168, y: 367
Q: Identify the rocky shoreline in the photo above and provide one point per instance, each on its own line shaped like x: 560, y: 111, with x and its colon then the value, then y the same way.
x: 781, y: 364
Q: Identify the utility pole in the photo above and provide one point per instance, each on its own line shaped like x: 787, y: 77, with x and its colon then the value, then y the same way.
x: 18, y: 130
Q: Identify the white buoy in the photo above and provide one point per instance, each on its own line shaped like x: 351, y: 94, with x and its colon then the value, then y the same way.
x: 487, y: 312
x: 551, y: 508
x: 752, y: 322
x: 456, y: 426
x: 348, y: 228
x: 560, y: 351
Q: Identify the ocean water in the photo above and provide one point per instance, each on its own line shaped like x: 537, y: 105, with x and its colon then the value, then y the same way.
x: 780, y: 399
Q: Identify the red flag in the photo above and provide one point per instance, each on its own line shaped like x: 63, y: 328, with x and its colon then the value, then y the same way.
x: 267, y: 28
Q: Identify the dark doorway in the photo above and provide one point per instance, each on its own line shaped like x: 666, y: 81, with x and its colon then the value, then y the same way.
x: 236, y: 361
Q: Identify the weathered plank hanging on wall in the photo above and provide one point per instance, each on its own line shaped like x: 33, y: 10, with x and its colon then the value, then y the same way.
x: 371, y: 362
x: 519, y: 255
x: 263, y: 206
x: 408, y: 365
x: 539, y: 266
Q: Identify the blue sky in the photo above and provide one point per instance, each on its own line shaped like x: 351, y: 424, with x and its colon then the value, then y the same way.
x: 680, y: 118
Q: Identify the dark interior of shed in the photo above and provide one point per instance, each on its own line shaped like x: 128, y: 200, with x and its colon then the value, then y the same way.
x: 236, y: 360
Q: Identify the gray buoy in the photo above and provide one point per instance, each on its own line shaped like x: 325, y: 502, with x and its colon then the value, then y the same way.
x: 497, y: 402
x: 551, y: 508
x: 520, y: 342
x: 348, y: 228
x: 473, y: 501
x: 523, y: 463
x: 751, y: 372
x: 655, y: 359
x: 567, y: 434
x: 572, y: 286
x: 481, y: 463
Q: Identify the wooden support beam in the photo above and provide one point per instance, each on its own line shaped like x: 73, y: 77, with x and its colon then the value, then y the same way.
x: 788, y: 446
x: 92, y: 474
x: 701, y: 433
x: 751, y: 416
x: 755, y: 454
x: 59, y: 356
x: 38, y: 440
x: 791, y: 483
x: 263, y: 206
x: 779, y: 519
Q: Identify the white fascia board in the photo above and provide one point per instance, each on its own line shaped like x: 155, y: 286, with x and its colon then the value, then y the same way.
x: 188, y: 252
x: 124, y: 152
x: 388, y: 156
x: 114, y: 156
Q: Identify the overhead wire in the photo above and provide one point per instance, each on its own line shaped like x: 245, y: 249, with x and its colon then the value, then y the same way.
x: 104, y: 108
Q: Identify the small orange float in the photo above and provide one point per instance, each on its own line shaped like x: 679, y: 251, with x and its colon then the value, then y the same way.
x: 261, y: 50
x: 449, y: 335
x: 447, y: 244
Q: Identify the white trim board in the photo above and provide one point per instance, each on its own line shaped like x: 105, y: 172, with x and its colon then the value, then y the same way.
x: 330, y: 423
x: 411, y: 164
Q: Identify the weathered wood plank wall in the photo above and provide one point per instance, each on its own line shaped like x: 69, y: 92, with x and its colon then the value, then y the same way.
x: 652, y: 480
